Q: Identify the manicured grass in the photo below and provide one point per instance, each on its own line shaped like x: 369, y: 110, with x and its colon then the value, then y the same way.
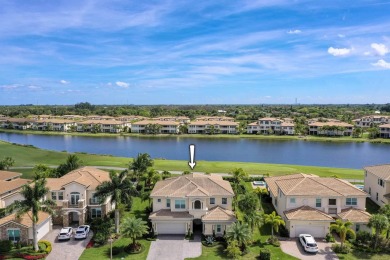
x: 30, y: 156
x: 371, y: 207
x: 138, y: 210
x: 250, y: 136
x: 358, y: 255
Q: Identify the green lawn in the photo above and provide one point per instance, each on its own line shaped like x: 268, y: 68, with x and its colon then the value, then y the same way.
x: 371, y: 207
x: 138, y: 210
x: 358, y: 255
x: 29, y: 156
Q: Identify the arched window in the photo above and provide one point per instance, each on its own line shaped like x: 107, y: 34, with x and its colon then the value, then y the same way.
x: 197, y: 204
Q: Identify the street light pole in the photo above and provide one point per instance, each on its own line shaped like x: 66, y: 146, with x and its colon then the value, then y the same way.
x: 110, y: 240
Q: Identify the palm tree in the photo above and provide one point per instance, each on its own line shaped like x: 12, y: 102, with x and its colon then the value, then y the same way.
x: 260, y: 192
x: 134, y: 227
x: 34, y: 201
x: 385, y: 210
x: 140, y: 164
x: 151, y: 177
x: 379, y: 222
x: 343, y: 229
x: 248, y: 203
x: 119, y: 190
x: 253, y: 219
x: 73, y: 162
x: 239, y: 232
x: 238, y: 175
x: 274, y: 220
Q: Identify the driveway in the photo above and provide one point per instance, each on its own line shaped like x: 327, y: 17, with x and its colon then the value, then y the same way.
x: 65, y: 250
x: 174, y: 247
x: 294, y: 248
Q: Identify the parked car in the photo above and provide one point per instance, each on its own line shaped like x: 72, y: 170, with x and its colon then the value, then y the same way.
x: 82, y: 232
x: 65, y: 233
x: 308, y: 243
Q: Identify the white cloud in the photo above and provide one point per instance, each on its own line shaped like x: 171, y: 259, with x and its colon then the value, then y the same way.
x: 32, y: 87
x: 341, y: 35
x: 382, y: 63
x: 9, y: 87
x: 380, y: 48
x: 122, y: 84
x: 62, y: 81
x: 338, y: 51
x: 294, y: 32
x: 367, y: 53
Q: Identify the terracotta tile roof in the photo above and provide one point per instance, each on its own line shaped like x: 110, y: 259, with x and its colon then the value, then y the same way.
x: 188, y: 185
x: 24, y: 220
x: 271, y: 181
x: 385, y: 126
x: 319, y: 187
x: 354, y: 215
x: 102, y: 122
x: 169, y: 215
x: 55, y: 121
x: 156, y: 122
x: 219, y: 214
x: 222, y: 123
x: 7, y: 175
x: 287, y: 124
x: 307, y: 213
x: 331, y: 123
x: 269, y: 119
x: 381, y: 171
x: 88, y: 176
x: 7, y: 186
x: 253, y: 124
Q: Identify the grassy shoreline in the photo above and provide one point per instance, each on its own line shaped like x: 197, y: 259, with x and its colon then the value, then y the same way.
x: 246, y: 136
x: 30, y: 156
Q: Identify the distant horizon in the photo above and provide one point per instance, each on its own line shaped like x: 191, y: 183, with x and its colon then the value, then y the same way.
x: 198, y: 52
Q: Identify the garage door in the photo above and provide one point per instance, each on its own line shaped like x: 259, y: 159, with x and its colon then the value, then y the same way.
x: 315, y: 231
x: 44, y: 229
x: 171, y: 228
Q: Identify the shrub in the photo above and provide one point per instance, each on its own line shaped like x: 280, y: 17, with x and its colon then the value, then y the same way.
x: 273, y: 241
x: 47, y: 247
x: 265, y: 254
x: 329, y: 238
x: 5, y: 246
x: 209, y: 240
x: 345, y: 249
x: 363, y: 238
x: 100, y: 239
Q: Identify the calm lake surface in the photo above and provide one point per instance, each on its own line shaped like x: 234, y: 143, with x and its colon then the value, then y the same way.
x: 343, y: 155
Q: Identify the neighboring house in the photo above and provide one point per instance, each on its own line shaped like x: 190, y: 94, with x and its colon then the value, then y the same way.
x: 10, y: 184
x: 384, y: 131
x: 377, y: 183
x: 101, y: 125
x: 164, y: 127
x: 330, y: 128
x: 20, y: 229
x: 130, y: 118
x: 73, y: 117
x: 62, y: 125
x: 309, y: 204
x: 74, y: 196
x: 180, y: 119
x: 16, y: 123
x: 193, y: 202
x: 369, y: 121
x: 98, y: 117
x: 270, y: 125
x: 213, y: 127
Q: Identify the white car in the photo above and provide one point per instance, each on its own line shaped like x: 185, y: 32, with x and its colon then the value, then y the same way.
x: 82, y: 232
x: 308, y: 243
x: 65, y: 233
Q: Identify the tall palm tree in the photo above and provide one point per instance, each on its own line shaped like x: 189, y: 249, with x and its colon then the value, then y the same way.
x: 343, y: 229
x: 73, y: 162
x: 274, y: 220
x: 385, y: 210
x: 140, y: 164
x: 380, y: 223
x: 151, y: 177
x: 239, y: 232
x: 34, y: 202
x: 253, y: 219
x: 134, y: 227
x: 119, y: 190
x: 238, y: 175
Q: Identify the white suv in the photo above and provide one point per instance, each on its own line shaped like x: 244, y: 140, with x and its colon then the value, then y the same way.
x: 308, y: 243
x: 65, y: 233
x: 82, y: 232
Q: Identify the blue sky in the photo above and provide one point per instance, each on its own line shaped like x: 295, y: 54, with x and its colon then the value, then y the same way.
x: 194, y: 52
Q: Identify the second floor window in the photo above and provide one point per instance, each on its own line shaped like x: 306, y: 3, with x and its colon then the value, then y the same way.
x: 212, y: 200
x: 180, y: 204
x: 60, y: 195
x: 377, y: 196
x: 292, y: 200
x: 224, y: 201
x: 351, y: 201
x: 332, y: 202
x: 54, y: 195
x: 74, y: 198
x: 168, y: 203
x: 318, y: 203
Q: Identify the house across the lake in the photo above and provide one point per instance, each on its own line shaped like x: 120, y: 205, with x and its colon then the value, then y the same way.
x: 193, y: 202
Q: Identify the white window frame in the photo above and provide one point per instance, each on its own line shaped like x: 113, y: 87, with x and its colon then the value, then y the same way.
x: 213, y: 201
x: 13, y: 229
x: 62, y: 195
x: 351, y: 201
x: 181, y: 203
x: 226, y: 200
x: 220, y: 228
x: 319, y: 202
x: 96, y: 215
x: 54, y: 195
x: 168, y: 201
x: 292, y: 200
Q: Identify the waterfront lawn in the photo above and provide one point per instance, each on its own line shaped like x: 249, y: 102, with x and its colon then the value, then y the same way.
x: 30, y: 156
x: 138, y: 210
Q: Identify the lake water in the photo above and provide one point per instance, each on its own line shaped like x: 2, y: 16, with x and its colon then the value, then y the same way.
x: 329, y: 154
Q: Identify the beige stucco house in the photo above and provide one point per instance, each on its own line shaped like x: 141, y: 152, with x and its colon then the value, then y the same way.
x: 377, y: 183
x: 10, y: 185
x: 194, y: 202
x: 309, y: 204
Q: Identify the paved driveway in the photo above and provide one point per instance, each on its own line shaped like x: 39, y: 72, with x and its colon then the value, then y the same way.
x: 65, y: 250
x: 294, y: 248
x: 174, y: 247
